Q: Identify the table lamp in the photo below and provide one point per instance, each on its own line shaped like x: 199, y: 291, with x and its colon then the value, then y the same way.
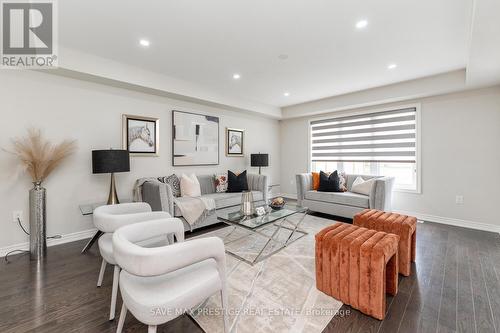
x: 111, y: 161
x: 259, y: 160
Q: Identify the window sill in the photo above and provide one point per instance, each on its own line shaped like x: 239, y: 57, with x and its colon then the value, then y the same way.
x: 402, y: 190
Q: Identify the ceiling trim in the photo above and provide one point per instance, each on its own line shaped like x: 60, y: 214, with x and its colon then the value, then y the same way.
x: 418, y: 88
x: 92, y: 68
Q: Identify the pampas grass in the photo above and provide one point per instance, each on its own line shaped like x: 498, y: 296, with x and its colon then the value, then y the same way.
x: 38, y: 156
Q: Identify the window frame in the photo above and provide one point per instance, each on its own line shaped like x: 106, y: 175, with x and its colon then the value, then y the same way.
x: 418, y: 131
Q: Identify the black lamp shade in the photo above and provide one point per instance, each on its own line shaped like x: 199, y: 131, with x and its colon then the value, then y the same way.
x: 259, y: 160
x: 109, y: 161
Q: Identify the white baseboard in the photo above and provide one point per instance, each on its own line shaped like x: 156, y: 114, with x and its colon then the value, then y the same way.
x: 436, y: 219
x: 453, y: 221
x: 75, y: 236
x: 420, y: 216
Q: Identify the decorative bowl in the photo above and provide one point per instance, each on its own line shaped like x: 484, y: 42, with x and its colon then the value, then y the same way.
x: 277, y: 207
x: 277, y: 203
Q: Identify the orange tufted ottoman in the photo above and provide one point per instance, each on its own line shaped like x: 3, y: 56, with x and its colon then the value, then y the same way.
x: 357, y: 266
x: 403, y: 226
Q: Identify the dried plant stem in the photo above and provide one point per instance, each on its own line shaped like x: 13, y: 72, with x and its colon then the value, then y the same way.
x: 38, y: 156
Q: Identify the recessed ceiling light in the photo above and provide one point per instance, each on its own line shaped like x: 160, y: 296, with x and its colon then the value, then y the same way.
x: 236, y: 76
x: 391, y: 66
x: 361, y: 24
x: 144, y: 42
x: 283, y: 56
x: 286, y: 94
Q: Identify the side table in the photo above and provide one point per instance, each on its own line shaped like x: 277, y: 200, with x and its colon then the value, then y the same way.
x: 86, y: 210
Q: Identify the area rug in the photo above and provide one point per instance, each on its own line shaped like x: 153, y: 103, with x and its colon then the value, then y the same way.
x: 276, y: 295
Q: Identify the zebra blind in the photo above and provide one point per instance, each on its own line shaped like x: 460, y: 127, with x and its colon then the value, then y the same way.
x: 388, y: 136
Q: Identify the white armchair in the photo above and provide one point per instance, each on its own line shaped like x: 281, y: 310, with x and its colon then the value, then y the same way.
x: 160, y: 284
x: 108, y: 219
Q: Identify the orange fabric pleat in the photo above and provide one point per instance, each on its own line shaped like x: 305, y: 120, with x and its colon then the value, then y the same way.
x: 403, y: 226
x: 357, y: 266
x: 315, y: 176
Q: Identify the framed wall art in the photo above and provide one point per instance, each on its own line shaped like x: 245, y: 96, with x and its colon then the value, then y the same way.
x: 140, y: 135
x: 195, y: 139
x: 235, y: 142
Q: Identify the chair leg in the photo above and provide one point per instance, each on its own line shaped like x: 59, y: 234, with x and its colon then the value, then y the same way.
x: 224, y: 303
x: 114, y: 292
x: 101, y: 273
x: 152, y: 329
x: 121, y: 321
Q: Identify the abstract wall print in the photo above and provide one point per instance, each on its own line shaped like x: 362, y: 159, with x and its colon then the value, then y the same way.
x: 195, y: 139
x: 234, y: 142
x: 140, y: 135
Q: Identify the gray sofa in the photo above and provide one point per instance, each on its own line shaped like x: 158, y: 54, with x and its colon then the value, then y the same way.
x: 160, y: 196
x: 345, y: 204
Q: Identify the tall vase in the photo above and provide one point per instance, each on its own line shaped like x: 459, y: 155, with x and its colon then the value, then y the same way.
x: 247, y: 206
x: 38, y: 218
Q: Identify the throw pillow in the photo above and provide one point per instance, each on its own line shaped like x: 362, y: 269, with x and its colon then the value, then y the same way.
x: 220, y: 182
x: 342, y: 181
x: 329, y: 183
x: 174, y: 183
x: 237, y: 183
x: 190, y: 186
x: 315, y: 176
x: 362, y: 186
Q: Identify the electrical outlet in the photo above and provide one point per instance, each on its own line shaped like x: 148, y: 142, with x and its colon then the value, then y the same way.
x: 459, y: 199
x: 17, y: 214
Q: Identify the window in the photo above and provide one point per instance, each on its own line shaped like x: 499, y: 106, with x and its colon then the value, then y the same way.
x: 378, y: 143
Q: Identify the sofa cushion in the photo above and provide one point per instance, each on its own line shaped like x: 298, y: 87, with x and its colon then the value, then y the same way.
x: 362, y: 186
x: 222, y: 200
x: 220, y: 182
x: 190, y: 186
x: 174, y: 183
x: 315, y: 180
x: 329, y: 182
x: 207, y: 184
x: 237, y: 183
x: 341, y: 198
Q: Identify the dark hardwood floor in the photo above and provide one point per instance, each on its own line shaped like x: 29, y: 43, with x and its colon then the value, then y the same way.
x: 455, y: 287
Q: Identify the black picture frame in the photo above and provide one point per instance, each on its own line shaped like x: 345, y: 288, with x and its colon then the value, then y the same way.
x: 241, y: 153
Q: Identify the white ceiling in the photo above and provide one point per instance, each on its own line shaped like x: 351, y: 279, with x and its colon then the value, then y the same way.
x: 205, y: 42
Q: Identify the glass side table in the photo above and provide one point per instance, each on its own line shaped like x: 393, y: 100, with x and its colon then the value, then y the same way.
x: 87, y: 210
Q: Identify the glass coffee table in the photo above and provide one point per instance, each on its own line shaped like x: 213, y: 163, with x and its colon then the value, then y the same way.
x: 278, y: 219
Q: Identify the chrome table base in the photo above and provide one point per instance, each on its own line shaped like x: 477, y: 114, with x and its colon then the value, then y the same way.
x: 279, y: 225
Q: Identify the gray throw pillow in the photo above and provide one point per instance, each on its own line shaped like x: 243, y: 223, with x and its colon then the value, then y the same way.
x: 174, y: 183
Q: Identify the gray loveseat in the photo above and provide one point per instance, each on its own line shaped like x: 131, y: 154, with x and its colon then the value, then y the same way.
x: 345, y: 204
x: 160, y: 196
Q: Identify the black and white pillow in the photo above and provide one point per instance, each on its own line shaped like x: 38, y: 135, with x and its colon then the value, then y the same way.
x: 342, y: 181
x: 174, y: 183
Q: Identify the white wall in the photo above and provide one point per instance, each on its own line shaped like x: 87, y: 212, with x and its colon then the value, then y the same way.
x: 460, y: 155
x: 91, y: 113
